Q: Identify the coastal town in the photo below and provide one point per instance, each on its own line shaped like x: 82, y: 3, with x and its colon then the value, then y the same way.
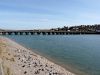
x: 82, y: 28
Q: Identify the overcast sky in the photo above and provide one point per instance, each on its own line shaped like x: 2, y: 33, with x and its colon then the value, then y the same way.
x: 36, y: 14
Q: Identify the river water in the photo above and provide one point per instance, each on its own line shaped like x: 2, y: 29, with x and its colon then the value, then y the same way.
x: 78, y: 53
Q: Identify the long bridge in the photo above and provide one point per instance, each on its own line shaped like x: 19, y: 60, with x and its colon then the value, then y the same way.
x: 43, y: 32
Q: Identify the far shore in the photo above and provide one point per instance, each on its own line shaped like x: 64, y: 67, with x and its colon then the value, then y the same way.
x: 18, y: 60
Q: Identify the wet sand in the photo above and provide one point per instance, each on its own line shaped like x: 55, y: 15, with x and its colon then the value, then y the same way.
x: 18, y: 60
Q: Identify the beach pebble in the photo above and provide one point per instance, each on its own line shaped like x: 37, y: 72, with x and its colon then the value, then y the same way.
x: 28, y: 62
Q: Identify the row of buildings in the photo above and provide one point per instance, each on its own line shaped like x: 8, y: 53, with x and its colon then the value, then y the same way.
x: 81, y: 28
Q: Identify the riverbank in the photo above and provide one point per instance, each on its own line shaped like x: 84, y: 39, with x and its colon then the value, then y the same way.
x: 18, y: 60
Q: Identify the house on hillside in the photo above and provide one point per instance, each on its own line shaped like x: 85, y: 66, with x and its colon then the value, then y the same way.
x: 98, y: 29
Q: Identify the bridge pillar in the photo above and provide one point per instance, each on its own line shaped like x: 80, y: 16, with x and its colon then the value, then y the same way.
x: 66, y: 33
x: 53, y: 33
x: 0, y: 33
x: 32, y: 33
x: 44, y: 33
x: 21, y: 33
x: 61, y: 33
x: 27, y: 33
x: 57, y: 33
x: 9, y: 33
x: 16, y: 33
x: 38, y: 33
x: 48, y: 33
x: 3, y: 33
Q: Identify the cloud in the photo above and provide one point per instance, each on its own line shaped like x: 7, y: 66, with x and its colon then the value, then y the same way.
x: 90, y: 15
x: 42, y: 20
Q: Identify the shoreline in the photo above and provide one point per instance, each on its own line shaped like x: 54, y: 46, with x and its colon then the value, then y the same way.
x: 68, y: 67
x: 48, y: 67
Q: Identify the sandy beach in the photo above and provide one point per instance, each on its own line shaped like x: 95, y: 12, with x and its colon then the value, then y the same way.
x: 18, y: 60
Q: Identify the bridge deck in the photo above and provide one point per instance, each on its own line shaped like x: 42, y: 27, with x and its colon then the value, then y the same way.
x: 44, y: 32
